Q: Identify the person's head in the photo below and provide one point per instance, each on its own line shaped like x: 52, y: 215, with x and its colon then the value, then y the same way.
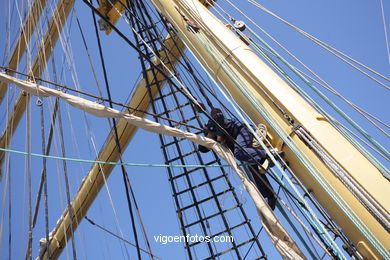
x: 215, y: 111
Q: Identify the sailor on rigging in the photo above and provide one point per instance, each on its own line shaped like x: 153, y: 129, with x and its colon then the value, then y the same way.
x: 238, y: 138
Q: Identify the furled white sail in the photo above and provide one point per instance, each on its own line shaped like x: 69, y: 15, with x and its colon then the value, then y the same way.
x: 278, y: 235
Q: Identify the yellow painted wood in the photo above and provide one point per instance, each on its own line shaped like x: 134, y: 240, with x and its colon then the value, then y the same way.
x: 259, y: 78
x: 23, y: 39
x: 45, y: 50
x: 112, y: 12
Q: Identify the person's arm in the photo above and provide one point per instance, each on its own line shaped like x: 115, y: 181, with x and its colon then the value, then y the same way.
x: 204, y: 149
x: 219, y: 124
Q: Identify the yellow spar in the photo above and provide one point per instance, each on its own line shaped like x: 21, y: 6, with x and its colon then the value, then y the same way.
x: 261, y: 82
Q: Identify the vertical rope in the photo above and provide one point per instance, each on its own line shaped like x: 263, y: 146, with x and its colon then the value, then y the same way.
x: 230, y: 73
x: 28, y: 130
x: 70, y: 207
x: 385, y: 30
x: 9, y: 209
x: 45, y: 181
x: 47, y: 151
x: 126, y: 180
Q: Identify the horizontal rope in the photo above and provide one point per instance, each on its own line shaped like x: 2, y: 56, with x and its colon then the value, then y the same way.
x: 117, y: 163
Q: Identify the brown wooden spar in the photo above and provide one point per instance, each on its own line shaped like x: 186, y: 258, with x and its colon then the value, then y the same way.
x: 23, y: 39
x: 50, y: 38
x: 112, y: 11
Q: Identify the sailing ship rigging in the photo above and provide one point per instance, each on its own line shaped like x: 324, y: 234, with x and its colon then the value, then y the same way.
x: 75, y: 130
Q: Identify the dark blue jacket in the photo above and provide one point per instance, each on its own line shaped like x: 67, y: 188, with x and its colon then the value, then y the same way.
x: 223, y: 126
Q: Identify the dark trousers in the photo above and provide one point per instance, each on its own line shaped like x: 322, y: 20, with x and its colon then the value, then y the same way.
x: 264, y: 186
x: 243, y: 150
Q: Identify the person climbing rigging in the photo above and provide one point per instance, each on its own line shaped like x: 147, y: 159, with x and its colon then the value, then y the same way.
x: 238, y: 138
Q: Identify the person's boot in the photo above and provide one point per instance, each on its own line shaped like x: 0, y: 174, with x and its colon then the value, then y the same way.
x: 268, y: 163
x: 264, y: 166
x: 272, y: 202
x: 277, y: 154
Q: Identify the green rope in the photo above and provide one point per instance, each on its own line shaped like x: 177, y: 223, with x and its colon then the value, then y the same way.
x: 300, y: 237
x: 335, y: 123
x: 373, y: 240
x: 117, y: 163
x: 326, y: 185
x: 317, y: 224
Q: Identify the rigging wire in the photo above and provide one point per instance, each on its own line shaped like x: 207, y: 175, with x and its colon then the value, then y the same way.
x: 334, y: 122
x: 45, y: 181
x: 192, y: 73
x: 101, y: 99
x: 9, y: 211
x: 327, y: 188
x: 9, y: 181
x: 308, y: 235
x: 152, y: 48
x: 67, y: 188
x: 61, y: 133
x: 358, y: 109
x: 64, y: 45
x: 385, y: 30
x: 92, y: 137
x: 327, y: 47
x: 352, y: 141
x: 68, y: 57
x: 289, y: 221
x: 180, y: 111
x: 168, y: 71
x: 263, y: 147
x: 324, y: 84
x: 117, y: 236
x: 126, y: 180
x: 186, y: 92
x: 28, y: 132
x: 88, y: 54
x: 118, y: 163
x: 362, y: 131
x: 250, y: 248
x: 286, y: 217
x: 53, y: 118
x: 329, y: 102
x: 7, y: 184
x: 365, y: 134
x: 47, y: 151
x: 187, y: 63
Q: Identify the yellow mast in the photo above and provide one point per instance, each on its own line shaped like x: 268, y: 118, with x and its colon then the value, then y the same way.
x: 257, y: 76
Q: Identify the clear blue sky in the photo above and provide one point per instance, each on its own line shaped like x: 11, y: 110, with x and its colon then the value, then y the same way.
x: 354, y: 27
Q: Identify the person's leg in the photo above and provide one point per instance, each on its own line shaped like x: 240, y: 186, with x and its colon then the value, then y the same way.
x: 265, y: 188
x: 243, y: 150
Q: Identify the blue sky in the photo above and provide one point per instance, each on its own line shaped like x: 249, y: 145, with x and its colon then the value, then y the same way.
x: 354, y: 27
